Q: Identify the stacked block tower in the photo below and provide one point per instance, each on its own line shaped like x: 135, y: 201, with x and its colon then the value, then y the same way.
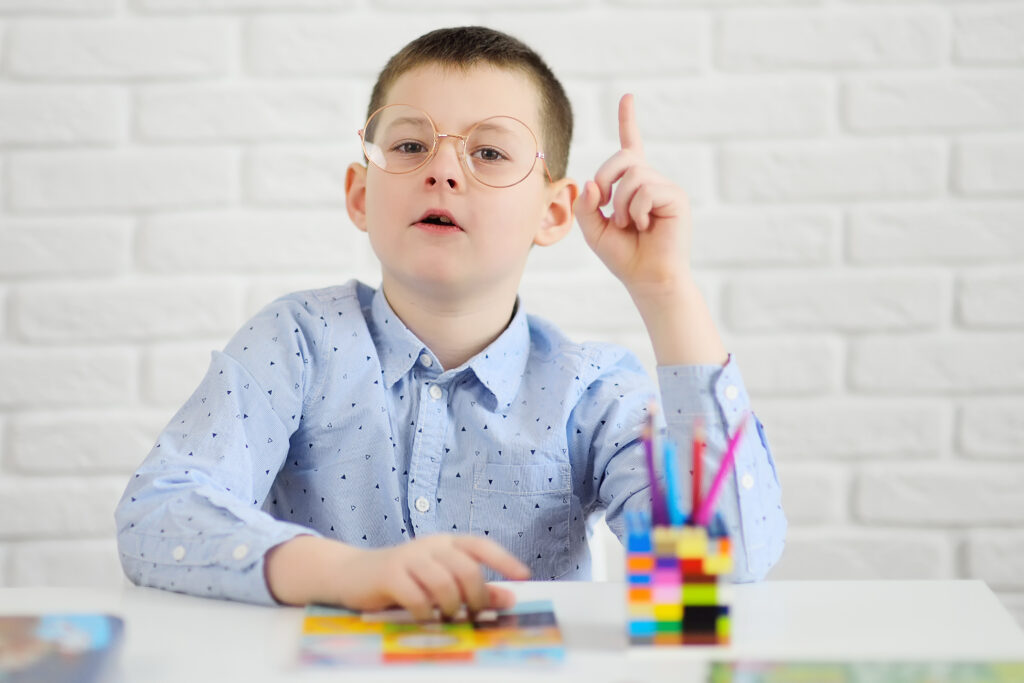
x: 678, y: 583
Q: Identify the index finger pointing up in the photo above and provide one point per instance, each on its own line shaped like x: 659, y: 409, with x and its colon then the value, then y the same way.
x: 629, y: 131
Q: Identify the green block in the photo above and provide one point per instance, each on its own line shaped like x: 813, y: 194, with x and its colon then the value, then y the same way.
x: 722, y: 627
x: 700, y: 594
x: 668, y: 627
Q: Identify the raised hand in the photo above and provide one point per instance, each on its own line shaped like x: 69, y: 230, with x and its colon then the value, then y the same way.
x: 645, y: 241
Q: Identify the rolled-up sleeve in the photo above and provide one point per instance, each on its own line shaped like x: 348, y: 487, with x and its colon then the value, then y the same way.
x: 750, y: 502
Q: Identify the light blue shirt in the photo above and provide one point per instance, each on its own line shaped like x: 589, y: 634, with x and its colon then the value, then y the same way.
x: 325, y: 415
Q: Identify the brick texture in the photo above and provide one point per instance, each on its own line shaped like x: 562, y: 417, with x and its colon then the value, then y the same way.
x: 856, y: 177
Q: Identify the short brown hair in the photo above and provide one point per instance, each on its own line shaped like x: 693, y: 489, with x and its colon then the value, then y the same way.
x: 463, y: 47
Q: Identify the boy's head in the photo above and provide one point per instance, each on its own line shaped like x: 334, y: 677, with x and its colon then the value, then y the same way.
x: 448, y: 83
x: 465, y: 47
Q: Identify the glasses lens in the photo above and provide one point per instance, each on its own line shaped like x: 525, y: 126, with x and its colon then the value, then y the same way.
x: 398, y: 138
x: 501, y: 151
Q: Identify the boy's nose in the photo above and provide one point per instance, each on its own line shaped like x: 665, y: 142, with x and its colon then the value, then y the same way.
x: 446, y: 167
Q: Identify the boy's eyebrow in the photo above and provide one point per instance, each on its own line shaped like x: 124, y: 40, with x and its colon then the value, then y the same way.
x: 492, y: 126
x: 407, y: 119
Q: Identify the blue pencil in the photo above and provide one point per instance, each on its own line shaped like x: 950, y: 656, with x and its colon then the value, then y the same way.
x: 675, y: 514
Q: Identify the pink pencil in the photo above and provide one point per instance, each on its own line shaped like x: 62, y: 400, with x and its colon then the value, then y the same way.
x: 704, y: 514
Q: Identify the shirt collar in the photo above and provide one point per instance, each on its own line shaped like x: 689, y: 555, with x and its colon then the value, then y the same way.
x: 397, y: 347
x: 499, y: 367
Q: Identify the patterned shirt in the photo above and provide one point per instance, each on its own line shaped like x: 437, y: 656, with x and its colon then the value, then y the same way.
x: 326, y: 415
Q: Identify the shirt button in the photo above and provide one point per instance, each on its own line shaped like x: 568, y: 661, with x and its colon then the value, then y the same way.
x: 178, y: 553
x: 731, y: 392
x: 426, y: 360
x: 240, y: 551
x: 747, y: 482
x: 435, y: 392
x: 422, y: 504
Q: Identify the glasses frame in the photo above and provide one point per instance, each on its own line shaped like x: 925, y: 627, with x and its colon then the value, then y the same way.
x: 461, y: 150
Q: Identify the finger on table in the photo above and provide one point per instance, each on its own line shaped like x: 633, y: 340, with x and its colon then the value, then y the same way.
x: 439, y: 584
x: 410, y: 595
x: 470, y: 580
x: 491, y: 554
x: 500, y: 597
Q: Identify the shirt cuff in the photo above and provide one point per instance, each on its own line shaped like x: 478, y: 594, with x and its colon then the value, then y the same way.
x: 691, y: 390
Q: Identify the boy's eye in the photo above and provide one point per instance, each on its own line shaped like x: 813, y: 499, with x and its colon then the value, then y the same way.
x: 489, y: 154
x: 410, y: 147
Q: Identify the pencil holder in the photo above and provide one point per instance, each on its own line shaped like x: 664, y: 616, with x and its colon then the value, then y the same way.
x: 678, y: 583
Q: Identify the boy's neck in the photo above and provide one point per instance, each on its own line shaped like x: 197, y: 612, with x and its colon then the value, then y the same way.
x: 454, y: 330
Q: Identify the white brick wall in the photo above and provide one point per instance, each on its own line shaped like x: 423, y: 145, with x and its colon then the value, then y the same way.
x: 857, y: 175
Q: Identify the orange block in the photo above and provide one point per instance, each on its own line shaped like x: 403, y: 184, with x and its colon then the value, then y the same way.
x: 639, y: 594
x: 640, y: 563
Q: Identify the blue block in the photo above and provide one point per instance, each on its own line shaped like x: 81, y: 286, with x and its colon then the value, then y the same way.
x: 642, y: 628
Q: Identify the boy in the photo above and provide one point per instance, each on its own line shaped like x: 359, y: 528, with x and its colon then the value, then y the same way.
x: 399, y: 446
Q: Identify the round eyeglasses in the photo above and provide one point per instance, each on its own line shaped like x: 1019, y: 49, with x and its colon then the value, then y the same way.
x: 499, y: 151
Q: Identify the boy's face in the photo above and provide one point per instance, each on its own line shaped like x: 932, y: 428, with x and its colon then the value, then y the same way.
x: 496, y: 226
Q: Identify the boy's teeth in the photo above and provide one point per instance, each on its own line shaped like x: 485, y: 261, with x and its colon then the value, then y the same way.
x: 445, y: 219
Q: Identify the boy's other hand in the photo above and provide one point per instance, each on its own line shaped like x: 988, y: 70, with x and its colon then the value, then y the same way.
x: 645, y: 241
x: 442, y: 571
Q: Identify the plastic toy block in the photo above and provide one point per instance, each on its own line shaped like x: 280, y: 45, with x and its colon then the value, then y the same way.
x: 662, y: 562
x: 668, y: 638
x: 700, y: 594
x: 718, y: 564
x: 639, y: 562
x: 661, y: 627
x: 723, y: 627
x: 643, y: 611
x: 641, y: 628
x: 693, y: 566
x: 640, y: 579
x: 666, y: 594
x: 640, y: 594
x: 639, y: 543
x: 666, y: 577
x: 693, y: 542
x: 670, y: 612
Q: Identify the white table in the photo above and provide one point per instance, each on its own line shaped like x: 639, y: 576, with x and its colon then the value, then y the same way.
x: 172, y: 637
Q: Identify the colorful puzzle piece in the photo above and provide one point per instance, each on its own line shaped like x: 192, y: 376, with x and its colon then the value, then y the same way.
x: 526, y: 633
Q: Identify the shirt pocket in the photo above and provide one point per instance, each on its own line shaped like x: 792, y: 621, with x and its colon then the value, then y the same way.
x: 525, y: 509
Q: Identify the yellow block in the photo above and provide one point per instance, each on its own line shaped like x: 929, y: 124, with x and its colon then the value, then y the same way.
x: 668, y: 612
x: 693, y: 542
x: 641, y: 609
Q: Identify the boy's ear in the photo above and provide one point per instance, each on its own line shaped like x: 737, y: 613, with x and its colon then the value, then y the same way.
x: 355, y: 194
x: 558, y: 217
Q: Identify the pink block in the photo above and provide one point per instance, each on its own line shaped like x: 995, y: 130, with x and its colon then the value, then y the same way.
x: 667, y: 594
x: 667, y: 577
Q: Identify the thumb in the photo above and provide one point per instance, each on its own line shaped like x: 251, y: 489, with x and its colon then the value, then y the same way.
x: 588, y: 211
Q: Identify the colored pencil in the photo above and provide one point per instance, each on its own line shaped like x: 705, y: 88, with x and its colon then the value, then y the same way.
x: 658, y: 513
x: 675, y: 514
x: 708, y: 505
x: 698, y: 457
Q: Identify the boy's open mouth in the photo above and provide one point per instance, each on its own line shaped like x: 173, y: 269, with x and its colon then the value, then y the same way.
x: 438, y: 220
